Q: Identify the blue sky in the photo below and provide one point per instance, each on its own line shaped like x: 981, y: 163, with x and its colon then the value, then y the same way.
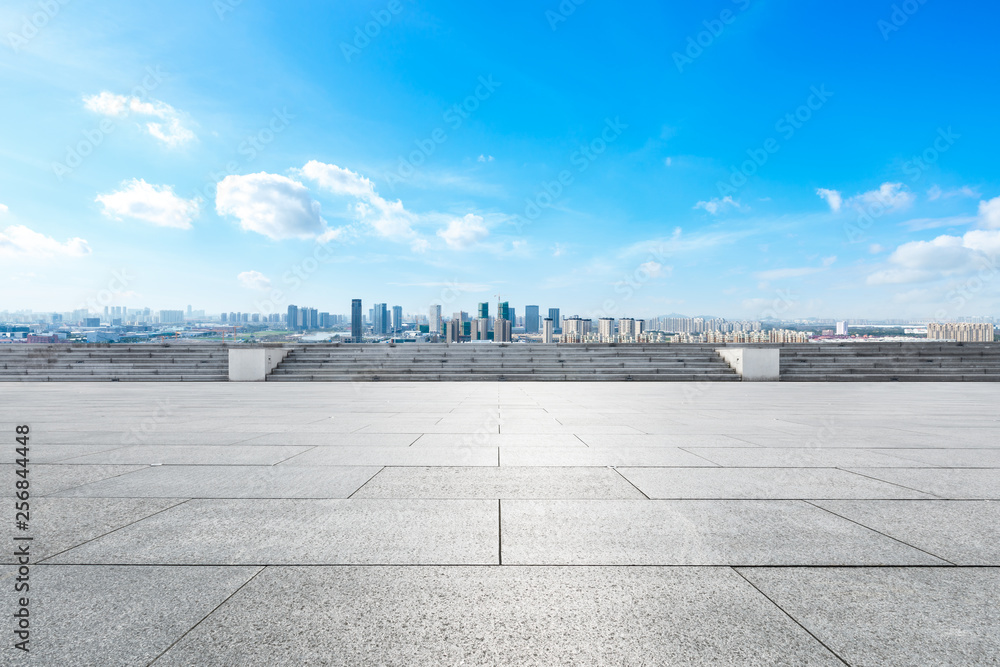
x: 744, y: 159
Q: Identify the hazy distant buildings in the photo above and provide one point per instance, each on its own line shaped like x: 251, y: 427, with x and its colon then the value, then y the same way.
x: 356, y: 336
x: 963, y: 332
x: 171, y: 317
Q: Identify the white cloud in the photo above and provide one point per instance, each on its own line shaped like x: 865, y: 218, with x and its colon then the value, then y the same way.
x: 942, y: 257
x: 936, y: 193
x: 19, y: 241
x: 654, y: 269
x: 269, y: 204
x: 388, y: 219
x: 558, y: 250
x: 485, y: 158
x: 254, y: 280
x: 463, y: 233
x: 989, y: 213
x: 832, y: 197
x: 716, y: 206
x: 171, y: 131
x: 889, y: 196
x: 876, y: 249
x: 155, y: 204
x: 668, y: 162
x: 3, y: 209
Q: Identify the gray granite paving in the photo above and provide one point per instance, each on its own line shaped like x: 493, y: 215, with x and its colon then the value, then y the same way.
x: 964, y: 532
x: 117, y: 615
x: 505, y: 482
x: 266, y: 532
x: 505, y: 523
x: 761, y: 483
x: 907, y: 617
x: 237, y: 481
x: 491, y: 616
x: 691, y: 532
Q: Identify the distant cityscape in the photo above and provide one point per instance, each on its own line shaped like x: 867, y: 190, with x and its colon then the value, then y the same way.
x: 500, y: 324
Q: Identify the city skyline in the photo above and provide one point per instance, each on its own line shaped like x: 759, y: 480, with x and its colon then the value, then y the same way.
x: 428, y: 156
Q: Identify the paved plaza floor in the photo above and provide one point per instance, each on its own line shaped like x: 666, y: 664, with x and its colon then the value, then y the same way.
x: 505, y: 524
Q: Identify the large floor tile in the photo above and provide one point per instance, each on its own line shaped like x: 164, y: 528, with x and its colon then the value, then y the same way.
x: 760, y: 484
x: 231, y: 482
x: 252, y: 532
x: 502, y: 482
x: 686, y: 532
x: 498, y: 616
x: 964, y: 532
x: 116, y: 616
x: 885, y: 616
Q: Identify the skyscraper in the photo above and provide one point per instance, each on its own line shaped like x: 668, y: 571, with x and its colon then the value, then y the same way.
x: 435, y: 320
x: 554, y: 316
x: 503, y: 312
x: 501, y: 331
x: 397, y: 319
x: 380, y: 323
x: 547, y: 330
x: 483, y: 311
x: 531, y: 319
x: 355, y: 320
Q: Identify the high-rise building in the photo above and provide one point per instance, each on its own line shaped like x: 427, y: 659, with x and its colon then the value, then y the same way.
x: 453, y: 330
x: 842, y: 328
x: 556, y: 323
x: 628, y: 330
x: 434, y: 321
x: 171, y: 316
x: 963, y: 332
x: 547, y: 330
x: 483, y: 312
x: 397, y: 319
x: 481, y: 329
x: 293, y: 318
x: 503, y: 311
x: 531, y: 319
x: 606, y: 329
x: 380, y: 321
x: 356, y: 320
x: 502, y: 331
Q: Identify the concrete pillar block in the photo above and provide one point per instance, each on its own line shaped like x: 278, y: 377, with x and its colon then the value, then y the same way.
x: 753, y: 364
x: 253, y: 364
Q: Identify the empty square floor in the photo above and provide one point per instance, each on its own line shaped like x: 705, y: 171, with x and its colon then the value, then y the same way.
x: 505, y: 523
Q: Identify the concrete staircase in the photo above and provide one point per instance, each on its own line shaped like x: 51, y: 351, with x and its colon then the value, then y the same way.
x: 514, y: 362
x: 902, y: 362
x: 114, y: 363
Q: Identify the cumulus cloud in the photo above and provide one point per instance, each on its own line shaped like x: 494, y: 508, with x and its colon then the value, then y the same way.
x: 463, y: 233
x: 388, y: 219
x: 832, y: 197
x: 169, y: 128
x: 254, y: 280
x: 155, y: 204
x: 485, y: 158
x: 989, y: 213
x: 269, y: 204
x: 717, y: 205
x: 942, y: 257
x: 19, y: 241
